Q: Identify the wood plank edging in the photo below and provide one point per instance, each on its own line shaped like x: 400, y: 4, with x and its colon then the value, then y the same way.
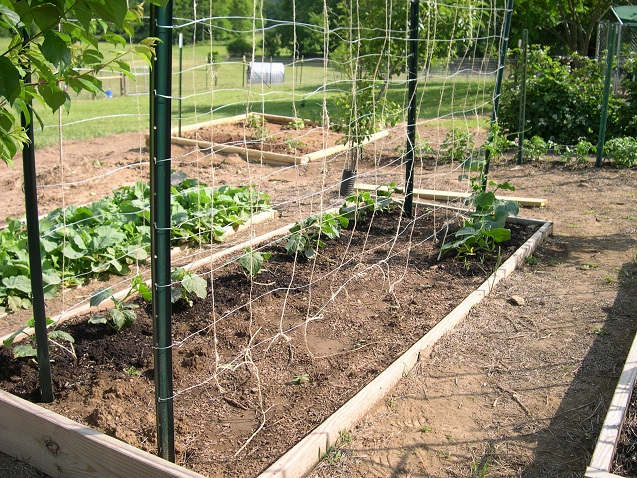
x: 435, y: 194
x: 604, y: 453
x: 62, y: 447
x: 306, y: 454
x: 594, y: 473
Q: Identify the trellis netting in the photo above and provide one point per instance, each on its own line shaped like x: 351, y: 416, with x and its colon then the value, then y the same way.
x: 336, y: 84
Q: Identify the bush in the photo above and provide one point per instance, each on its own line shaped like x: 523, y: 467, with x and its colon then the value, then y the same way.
x: 622, y: 150
x: 457, y: 145
x: 239, y: 46
x: 534, y: 149
x: 562, y: 99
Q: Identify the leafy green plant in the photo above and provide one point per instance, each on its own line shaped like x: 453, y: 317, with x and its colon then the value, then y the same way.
x: 122, y: 314
x: 534, y: 149
x: 457, y: 145
x: 58, y: 338
x: 254, y: 120
x: 484, y: 227
x: 622, y: 150
x: 362, y: 204
x: 109, y: 235
x: 294, y: 144
x: 53, y: 40
x: 562, y: 98
x: 300, y: 379
x: 252, y: 261
x: 296, y: 124
x: 307, y: 237
x: 132, y: 371
x: 497, y: 142
x: 187, y: 284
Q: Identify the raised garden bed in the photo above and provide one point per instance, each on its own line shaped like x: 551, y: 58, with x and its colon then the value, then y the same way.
x: 291, y: 347
x: 269, y: 139
x: 603, y: 458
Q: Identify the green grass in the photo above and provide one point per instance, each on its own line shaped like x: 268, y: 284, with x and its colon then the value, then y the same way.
x: 455, y: 101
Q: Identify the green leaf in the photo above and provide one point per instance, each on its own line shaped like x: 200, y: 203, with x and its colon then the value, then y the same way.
x: 53, y: 95
x: 106, y: 236
x: 46, y: 16
x: 55, y: 48
x: 9, y: 79
x: 10, y: 15
x: 500, y: 234
x: 195, y: 284
x: 9, y: 340
x: 98, y: 319
x: 61, y: 335
x: 24, y: 350
x: 21, y: 283
x: 100, y: 296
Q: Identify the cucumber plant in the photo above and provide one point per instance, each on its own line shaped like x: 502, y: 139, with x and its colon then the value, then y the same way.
x: 306, y: 237
x: 186, y: 285
x: 252, y: 261
x: 58, y: 338
x: 122, y: 314
x: 485, y: 226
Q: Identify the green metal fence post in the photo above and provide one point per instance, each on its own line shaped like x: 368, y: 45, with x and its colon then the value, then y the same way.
x: 522, y: 124
x: 601, y: 140
x: 160, y: 104
x: 181, y: 63
x: 412, y: 82
x: 35, y: 258
x: 504, y: 46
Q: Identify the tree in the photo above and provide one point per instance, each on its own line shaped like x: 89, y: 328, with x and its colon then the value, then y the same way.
x: 50, y: 40
x: 569, y: 26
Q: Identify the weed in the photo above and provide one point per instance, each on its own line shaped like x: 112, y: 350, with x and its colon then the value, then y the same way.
x: 333, y: 456
x: 300, y: 379
x: 254, y: 121
x: 631, y: 218
x: 344, y: 437
x: 424, y: 429
x: 599, y: 331
x: 132, y: 371
x: 532, y: 260
x: 589, y: 211
x: 609, y: 278
x: 480, y: 469
x: 391, y: 403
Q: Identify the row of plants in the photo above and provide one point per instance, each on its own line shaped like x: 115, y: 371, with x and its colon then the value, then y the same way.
x: 482, y: 230
x: 109, y: 235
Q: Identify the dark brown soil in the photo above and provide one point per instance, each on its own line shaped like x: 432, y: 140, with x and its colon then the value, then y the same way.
x: 260, y: 363
x: 270, y: 137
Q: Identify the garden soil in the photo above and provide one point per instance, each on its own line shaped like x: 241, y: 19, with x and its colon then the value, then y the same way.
x: 520, y: 388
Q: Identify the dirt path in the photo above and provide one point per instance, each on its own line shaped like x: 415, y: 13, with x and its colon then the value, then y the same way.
x: 516, y: 390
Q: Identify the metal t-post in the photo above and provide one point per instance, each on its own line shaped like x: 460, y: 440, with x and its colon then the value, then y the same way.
x: 35, y: 259
x: 601, y: 140
x: 160, y: 104
x: 181, y: 63
x: 504, y: 45
x: 412, y: 82
x: 522, y: 124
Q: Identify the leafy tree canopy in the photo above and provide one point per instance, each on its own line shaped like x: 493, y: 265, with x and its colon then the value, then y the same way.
x: 568, y: 26
x: 50, y: 40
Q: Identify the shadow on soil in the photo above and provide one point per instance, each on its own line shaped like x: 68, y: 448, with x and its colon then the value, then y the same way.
x: 565, y: 445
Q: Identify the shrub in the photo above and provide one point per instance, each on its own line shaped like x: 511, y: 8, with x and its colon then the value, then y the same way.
x: 622, y: 150
x: 239, y: 46
x: 562, y: 99
x: 534, y: 149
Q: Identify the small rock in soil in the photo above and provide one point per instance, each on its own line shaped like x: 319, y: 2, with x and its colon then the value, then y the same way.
x: 517, y: 300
